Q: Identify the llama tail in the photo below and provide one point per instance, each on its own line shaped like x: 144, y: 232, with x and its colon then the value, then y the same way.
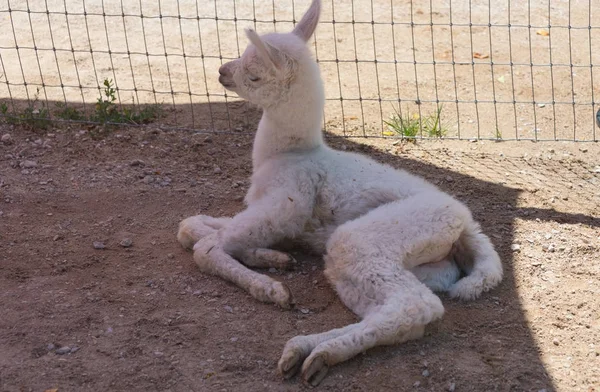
x: 475, y: 254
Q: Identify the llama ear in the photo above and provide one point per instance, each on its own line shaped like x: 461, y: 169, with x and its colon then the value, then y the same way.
x: 307, y: 25
x: 268, y: 53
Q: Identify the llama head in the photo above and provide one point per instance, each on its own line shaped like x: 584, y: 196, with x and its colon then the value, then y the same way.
x: 273, y: 63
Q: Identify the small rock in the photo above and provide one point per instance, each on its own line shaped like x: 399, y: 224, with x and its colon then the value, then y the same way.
x: 126, y: 243
x: 147, y: 179
x: 551, y: 150
x: 515, y: 247
x: 583, y: 149
x: 234, y: 339
x: 451, y: 387
x: 137, y: 162
x: 555, y: 342
x: 416, y: 384
x: 74, y: 349
x: 228, y: 309
x: 182, y: 190
x: 305, y: 311
x: 99, y: 245
x: 170, y: 255
x: 28, y: 164
x: 57, y: 237
x: 425, y: 373
x: 541, y: 105
x: 272, y: 270
x: 7, y: 138
x: 217, y: 170
x: 449, y: 179
x: 50, y: 347
x: 63, y: 350
x: 551, y: 248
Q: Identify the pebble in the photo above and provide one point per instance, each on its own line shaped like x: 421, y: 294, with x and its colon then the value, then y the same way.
x: 126, y: 243
x: 170, y: 255
x: 272, y: 270
x: 451, y: 387
x: 99, y: 245
x: 449, y: 179
x: 74, y: 349
x: 63, y: 350
x: 147, y: 179
x: 28, y: 164
x: 416, y: 384
x: 50, y: 347
x: 228, y: 309
x: 305, y: 311
x: 425, y: 373
x: 7, y: 138
x: 234, y: 339
x: 137, y: 162
x: 57, y: 237
x: 515, y: 247
x: 555, y: 342
x: 217, y: 170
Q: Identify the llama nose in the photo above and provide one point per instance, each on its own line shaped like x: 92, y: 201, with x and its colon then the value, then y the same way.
x: 223, y: 70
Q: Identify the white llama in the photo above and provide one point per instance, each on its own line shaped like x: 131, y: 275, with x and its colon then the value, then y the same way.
x: 389, y: 238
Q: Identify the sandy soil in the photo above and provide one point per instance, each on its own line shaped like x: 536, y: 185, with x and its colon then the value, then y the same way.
x: 143, y: 318
x: 145, y: 57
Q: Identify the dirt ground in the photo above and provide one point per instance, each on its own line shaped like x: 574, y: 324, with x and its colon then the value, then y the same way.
x: 143, y: 317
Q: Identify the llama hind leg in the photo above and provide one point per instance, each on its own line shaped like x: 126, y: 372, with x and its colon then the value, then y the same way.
x: 194, y: 228
x: 368, y: 262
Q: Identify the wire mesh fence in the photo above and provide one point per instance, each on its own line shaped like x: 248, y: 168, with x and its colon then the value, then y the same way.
x: 502, y: 69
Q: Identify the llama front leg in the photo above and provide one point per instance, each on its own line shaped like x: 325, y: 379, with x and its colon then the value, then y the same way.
x: 194, y: 228
x: 211, y: 258
x: 265, y: 222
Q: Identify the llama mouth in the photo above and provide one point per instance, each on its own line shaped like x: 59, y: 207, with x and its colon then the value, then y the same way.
x: 226, y: 83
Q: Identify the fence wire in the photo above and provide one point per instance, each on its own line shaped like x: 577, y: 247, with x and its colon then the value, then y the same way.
x: 502, y: 69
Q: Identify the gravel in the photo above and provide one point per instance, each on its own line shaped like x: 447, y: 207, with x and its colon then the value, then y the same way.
x: 126, y: 243
x: 7, y: 138
x: 63, y: 350
x: 99, y: 245
x: 28, y: 164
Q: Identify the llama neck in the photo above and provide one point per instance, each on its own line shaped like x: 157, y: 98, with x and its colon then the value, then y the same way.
x: 293, y: 125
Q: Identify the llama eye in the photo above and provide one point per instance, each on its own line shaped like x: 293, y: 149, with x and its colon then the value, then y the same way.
x: 253, y: 78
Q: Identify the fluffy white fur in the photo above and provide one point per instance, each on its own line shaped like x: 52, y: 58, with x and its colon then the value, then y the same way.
x: 389, y: 238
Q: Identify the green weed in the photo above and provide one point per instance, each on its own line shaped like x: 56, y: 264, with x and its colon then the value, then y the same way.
x: 410, y: 125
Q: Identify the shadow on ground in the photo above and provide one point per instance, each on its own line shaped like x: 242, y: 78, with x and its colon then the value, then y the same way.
x: 145, y: 318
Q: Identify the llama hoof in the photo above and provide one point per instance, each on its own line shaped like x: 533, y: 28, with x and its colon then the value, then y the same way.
x: 273, y: 258
x: 185, y: 236
x: 290, y: 362
x: 281, y: 295
x: 315, y: 369
x: 286, y: 262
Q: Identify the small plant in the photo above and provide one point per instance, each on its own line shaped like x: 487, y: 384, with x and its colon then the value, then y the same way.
x: 68, y: 113
x: 410, y: 126
x: 34, y: 116
x: 107, y: 110
x: 498, y: 134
